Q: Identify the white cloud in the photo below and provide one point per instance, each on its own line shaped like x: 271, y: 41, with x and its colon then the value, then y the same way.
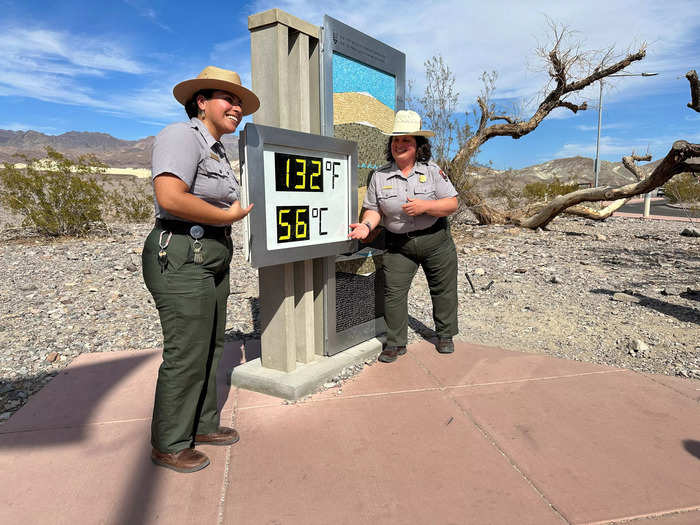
x: 614, y: 148
x: 17, y: 126
x: 55, y: 67
x: 153, y: 103
x: 59, y: 67
x: 47, y: 87
x: 233, y: 54
x: 615, y: 125
x: 148, y: 12
x: 72, y: 53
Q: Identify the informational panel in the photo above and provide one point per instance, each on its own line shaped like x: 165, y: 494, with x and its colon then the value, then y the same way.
x: 303, y: 189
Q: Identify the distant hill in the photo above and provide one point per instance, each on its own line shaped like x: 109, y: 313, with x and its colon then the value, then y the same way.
x: 114, y: 152
x: 118, y: 153
x: 580, y: 169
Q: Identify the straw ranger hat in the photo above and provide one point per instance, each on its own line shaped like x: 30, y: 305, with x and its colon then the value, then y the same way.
x: 407, y: 122
x: 213, y: 77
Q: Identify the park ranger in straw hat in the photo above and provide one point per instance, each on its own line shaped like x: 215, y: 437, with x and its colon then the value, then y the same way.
x: 186, y: 261
x: 411, y: 196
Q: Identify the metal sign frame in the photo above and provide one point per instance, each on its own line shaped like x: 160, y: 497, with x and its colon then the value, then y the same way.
x: 253, y: 140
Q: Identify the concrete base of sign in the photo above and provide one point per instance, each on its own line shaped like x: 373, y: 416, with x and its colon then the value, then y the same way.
x: 306, y: 378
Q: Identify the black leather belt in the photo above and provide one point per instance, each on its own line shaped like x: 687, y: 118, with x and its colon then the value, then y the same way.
x: 440, y: 224
x: 183, y: 228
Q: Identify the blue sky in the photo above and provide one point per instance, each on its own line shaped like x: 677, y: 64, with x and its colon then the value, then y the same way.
x: 110, y: 66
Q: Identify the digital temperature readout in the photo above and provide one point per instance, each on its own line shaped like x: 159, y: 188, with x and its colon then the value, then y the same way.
x: 298, y: 173
x: 292, y: 223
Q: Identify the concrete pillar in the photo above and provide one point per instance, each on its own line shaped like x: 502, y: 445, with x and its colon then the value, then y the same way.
x: 285, y: 66
x: 647, y: 205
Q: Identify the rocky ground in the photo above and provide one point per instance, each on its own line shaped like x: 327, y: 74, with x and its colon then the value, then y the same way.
x: 624, y: 292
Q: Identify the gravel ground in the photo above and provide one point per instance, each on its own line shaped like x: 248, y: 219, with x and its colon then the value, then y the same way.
x: 624, y: 292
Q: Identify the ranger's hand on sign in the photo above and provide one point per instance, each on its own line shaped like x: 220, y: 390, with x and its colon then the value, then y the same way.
x: 363, y: 230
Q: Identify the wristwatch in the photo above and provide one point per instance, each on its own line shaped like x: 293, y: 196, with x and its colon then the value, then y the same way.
x: 368, y: 224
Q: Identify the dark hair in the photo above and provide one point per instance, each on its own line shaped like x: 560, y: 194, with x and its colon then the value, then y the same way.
x: 191, y: 107
x: 423, y: 152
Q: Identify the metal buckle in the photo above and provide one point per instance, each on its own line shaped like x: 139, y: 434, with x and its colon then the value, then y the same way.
x: 196, y: 232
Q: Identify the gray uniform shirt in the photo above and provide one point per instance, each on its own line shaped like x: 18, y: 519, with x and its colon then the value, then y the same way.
x: 388, y: 190
x: 188, y: 151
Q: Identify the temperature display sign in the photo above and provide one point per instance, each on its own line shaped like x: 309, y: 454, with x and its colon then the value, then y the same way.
x: 303, y: 188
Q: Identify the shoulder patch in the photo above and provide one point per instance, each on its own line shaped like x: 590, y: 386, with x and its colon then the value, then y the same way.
x: 442, y: 174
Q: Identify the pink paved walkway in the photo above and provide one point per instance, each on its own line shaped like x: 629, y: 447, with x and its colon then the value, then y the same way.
x: 651, y: 217
x: 482, y: 436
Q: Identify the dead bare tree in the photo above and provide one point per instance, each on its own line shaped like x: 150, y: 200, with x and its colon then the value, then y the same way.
x: 570, y: 71
x: 692, y: 77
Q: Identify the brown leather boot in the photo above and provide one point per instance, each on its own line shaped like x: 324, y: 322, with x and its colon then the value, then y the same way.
x: 224, y: 436
x: 445, y: 345
x: 187, y: 460
x: 390, y: 353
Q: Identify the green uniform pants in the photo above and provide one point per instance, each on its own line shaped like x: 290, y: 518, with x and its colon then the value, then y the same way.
x: 191, y: 301
x: 436, y: 253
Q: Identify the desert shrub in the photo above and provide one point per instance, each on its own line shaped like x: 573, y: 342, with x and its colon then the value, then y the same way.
x: 57, y: 196
x: 130, y: 205
x: 506, y: 187
x: 683, y: 188
x: 544, y: 191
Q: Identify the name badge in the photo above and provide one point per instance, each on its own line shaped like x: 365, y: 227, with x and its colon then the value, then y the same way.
x: 387, y: 187
x: 214, y: 156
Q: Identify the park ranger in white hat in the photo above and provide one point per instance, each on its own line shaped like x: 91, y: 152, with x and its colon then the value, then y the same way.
x: 412, y: 197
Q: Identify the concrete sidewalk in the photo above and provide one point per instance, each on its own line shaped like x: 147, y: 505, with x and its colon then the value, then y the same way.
x: 481, y: 436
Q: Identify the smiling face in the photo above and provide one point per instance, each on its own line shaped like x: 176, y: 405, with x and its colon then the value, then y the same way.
x: 403, y: 149
x: 222, y: 112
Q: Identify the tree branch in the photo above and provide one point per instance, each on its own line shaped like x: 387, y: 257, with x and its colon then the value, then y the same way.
x: 605, y: 72
x: 629, y: 163
x: 692, y: 77
x: 596, y: 215
x: 559, y: 73
x: 573, y: 107
x: 687, y: 167
x: 485, y: 113
x: 672, y: 164
x: 507, y: 118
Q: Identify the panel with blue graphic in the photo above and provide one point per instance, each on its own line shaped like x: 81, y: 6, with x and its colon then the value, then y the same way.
x: 350, y: 76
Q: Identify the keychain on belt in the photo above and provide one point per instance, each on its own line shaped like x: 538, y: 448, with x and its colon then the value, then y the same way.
x: 163, y: 254
x: 197, y: 232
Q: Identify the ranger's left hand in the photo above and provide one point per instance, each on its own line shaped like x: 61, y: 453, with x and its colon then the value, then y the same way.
x: 415, y: 207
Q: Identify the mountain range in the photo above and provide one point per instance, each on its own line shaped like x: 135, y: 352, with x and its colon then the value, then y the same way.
x: 117, y: 153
